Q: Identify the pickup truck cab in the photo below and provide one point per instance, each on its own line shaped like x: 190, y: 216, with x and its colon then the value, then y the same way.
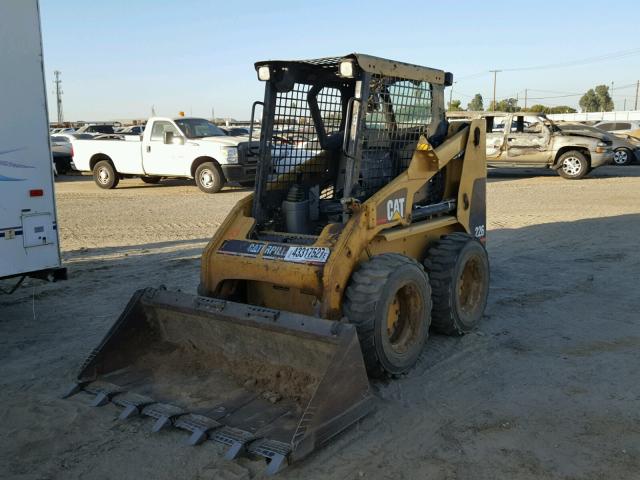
x: 523, y: 139
x: 181, y: 147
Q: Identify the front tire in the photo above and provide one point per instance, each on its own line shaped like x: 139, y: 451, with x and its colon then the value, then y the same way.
x: 573, y: 165
x: 622, y: 156
x: 458, y: 268
x: 209, y: 178
x: 389, y: 301
x: 105, y: 175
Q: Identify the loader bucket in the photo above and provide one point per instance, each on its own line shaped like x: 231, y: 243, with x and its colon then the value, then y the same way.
x: 264, y: 382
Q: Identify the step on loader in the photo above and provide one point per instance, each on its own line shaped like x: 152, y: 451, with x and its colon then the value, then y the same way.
x: 365, y: 229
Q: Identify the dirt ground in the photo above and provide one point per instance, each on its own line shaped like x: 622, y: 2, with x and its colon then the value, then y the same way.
x: 547, y: 387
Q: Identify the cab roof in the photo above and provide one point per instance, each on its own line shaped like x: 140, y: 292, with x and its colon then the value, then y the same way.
x: 367, y: 63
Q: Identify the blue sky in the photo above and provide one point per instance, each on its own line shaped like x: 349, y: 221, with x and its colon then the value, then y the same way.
x: 118, y: 58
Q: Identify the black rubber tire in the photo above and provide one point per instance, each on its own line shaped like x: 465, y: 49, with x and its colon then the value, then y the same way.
x: 216, y: 175
x: 445, y: 263
x: 111, y: 179
x: 371, y: 291
x: 150, y: 180
x: 625, y: 159
x: 584, y: 168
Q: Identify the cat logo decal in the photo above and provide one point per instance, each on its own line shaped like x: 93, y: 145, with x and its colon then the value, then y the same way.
x: 393, y: 208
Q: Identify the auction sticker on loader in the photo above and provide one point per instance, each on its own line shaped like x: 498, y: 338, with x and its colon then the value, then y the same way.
x: 307, y: 255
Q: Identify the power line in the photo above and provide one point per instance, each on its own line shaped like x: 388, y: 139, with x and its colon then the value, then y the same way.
x: 583, y: 61
x: 572, y: 63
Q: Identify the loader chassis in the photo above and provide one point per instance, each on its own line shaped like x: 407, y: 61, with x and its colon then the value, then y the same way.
x: 366, y: 228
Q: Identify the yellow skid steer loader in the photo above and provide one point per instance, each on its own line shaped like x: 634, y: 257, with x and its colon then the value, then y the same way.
x: 365, y: 229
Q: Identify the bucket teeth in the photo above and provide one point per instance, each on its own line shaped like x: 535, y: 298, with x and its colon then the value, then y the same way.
x: 199, y: 425
x: 164, y: 413
x: 128, y: 412
x: 160, y: 423
x: 72, y: 390
x: 100, y: 399
x: 277, y: 463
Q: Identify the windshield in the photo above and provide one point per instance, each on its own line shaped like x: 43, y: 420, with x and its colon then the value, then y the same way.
x: 198, y: 128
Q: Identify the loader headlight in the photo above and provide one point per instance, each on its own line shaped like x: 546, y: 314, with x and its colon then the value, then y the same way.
x: 347, y: 69
x: 230, y: 154
x: 264, y: 73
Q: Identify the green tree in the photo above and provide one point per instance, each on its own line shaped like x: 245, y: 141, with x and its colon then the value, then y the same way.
x: 604, y: 99
x: 476, y: 104
x: 538, y: 108
x: 505, y: 105
x: 544, y: 109
x: 561, y: 109
x: 597, y: 100
x: 454, y: 106
x: 589, y: 101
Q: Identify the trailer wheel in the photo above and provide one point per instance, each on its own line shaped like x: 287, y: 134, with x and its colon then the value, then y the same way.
x: 458, y: 268
x: 150, y: 180
x: 209, y: 178
x: 105, y: 175
x: 389, y: 301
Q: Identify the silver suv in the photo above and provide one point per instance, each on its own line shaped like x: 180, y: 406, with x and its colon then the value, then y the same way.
x: 525, y: 139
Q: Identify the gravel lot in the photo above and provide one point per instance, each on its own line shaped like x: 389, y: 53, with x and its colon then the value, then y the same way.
x: 547, y: 388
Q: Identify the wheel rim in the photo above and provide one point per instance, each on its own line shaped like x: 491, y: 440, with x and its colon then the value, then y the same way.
x: 206, y: 178
x: 103, y: 175
x: 620, y: 157
x: 572, y: 165
x: 470, y: 286
x: 403, y: 318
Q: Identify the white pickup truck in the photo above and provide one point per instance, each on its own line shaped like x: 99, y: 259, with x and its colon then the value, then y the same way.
x: 182, y: 147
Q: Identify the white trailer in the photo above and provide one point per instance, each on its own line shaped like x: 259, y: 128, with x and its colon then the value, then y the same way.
x: 29, y: 243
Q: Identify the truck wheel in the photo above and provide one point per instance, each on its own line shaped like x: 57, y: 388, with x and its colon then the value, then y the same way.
x: 622, y: 156
x: 573, y: 165
x: 458, y: 269
x: 209, y: 178
x: 389, y: 301
x: 105, y: 175
x: 150, y: 180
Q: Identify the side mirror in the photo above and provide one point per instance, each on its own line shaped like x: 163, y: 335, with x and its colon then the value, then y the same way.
x: 172, y: 139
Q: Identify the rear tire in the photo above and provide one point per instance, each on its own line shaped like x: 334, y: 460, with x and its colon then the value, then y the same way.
x: 150, y: 180
x: 105, y: 175
x: 389, y: 301
x: 209, y: 178
x: 458, y: 268
x: 573, y: 165
x: 622, y: 156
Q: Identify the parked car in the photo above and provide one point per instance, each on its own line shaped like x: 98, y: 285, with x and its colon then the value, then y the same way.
x: 533, y: 140
x: 235, y: 131
x: 618, y: 127
x: 626, y: 149
x: 181, y: 147
x: 62, y: 152
x: 96, y: 128
x: 130, y: 130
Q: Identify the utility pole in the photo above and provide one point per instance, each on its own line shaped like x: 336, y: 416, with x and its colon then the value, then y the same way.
x: 495, y: 72
x: 525, y: 99
x: 58, y: 83
x: 625, y: 105
x: 637, y: 88
x: 450, y: 96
